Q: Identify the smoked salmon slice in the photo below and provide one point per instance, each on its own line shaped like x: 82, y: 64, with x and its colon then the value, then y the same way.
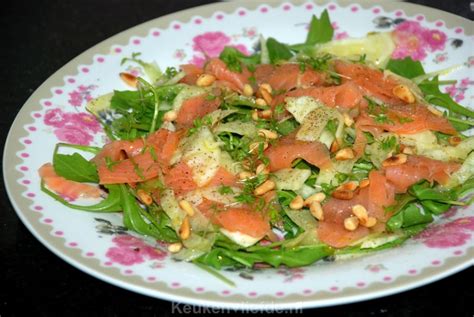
x: 192, y: 74
x: 235, y: 80
x: 244, y: 220
x: 282, y: 154
x: 418, y: 168
x: 195, y: 107
x: 65, y: 187
x: 288, y: 76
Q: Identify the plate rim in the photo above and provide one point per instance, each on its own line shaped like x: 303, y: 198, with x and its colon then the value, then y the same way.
x: 160, y: 289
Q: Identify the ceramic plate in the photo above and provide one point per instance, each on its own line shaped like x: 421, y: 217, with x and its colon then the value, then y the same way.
x: 98, y: 245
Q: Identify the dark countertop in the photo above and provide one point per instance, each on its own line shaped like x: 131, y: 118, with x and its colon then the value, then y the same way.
x: 39, y: 37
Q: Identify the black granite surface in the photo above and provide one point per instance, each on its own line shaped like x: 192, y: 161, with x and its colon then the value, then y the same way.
x: 37, y: 38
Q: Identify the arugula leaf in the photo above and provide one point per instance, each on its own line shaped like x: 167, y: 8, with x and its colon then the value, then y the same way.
x: 410, y: 215
x: 320, y: 30
x: 109, y: 204
x: 278, y: 51
x: 406, y: 67
x: 74, y: 166
x: 430, y: 89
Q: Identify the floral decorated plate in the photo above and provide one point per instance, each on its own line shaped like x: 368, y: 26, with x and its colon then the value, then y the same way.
x: 100, y: 246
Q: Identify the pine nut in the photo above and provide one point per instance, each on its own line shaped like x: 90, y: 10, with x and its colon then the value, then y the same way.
x: 454, y: 140
x: 343, y: 194
x: 334, y: 147
x: 267, y: 186
x: 262, y: 169
x: 245, y: 175
x: 144, y: 197
x: 266, y: 114
x: 318, y: 197
x: 170, y: 116
x: 268, y: 134
x: 254, y: 146
x: 404, y: 93
x: 175, y: 247
x: 297, y: 203
x: 369, y: 222
x: 187, y: 207
x: 185, y: 229
x: 316, y: 210
x: 205, y: 80
x: 260, y: 102
x: 348, y: 121
x: 395, y: 160
x: 344, y: 154
x: 267, y: 87
x: 408, y: 150
x: 351, y: 223
x: 248, y: 90
x: 129, y: 79
x: 255, y: 115
x: 364, y: 183
x: 435, y: 111
x: 267, y: 96
x: 360, y: 212
x: 351, y: 185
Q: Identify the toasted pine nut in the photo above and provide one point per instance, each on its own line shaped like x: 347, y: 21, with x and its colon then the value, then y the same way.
x: 255, y: 115
x: 244, y: 175
x: 254, y: 146
x: 454, y: 140
x: 260, y: 102
x: 360, y: 212
x: 351, y: 185
x: 170, y: 116
x: 129, y: 79
x: 297, y: 203
x: 248, y: 90
x: 187, y: 207
x: 267, y: 96
x: 334, y: 147
x: 344, y: 154
x: 351, y: 223
x: 185, y: 229
x: 408, y: 150
x: 404, y: 93
x: 318, y: 197
x: 435, y: 111
x: 347, y: 119
x: 266, y: 114
x: 316, y: 210
x: 369, y: 222
x: 267, y: 186
x: 395, y: 160
x: 269, y: 134
x: 205, y: 80
x: 144, y: 197
x: 267, y: 87
x: 343, y: 194
x: 175, y: 247
x: 364, y: 183
x: 262, y: 169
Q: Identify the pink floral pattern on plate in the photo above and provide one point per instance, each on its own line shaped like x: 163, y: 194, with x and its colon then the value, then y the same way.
x: 129, y: 250
x: 451, y: 234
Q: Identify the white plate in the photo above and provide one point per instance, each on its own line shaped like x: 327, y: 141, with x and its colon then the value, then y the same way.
x: 53, y: 113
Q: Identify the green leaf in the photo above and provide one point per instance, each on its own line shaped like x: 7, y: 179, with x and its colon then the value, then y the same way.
x: 278, y: 51
x: 433, y: 95
x: 109, y: 204
x: 74, y: 167
x: 320, y: 30
x: 234, y: 59
x: 406, y: 67
x: 424, y: 191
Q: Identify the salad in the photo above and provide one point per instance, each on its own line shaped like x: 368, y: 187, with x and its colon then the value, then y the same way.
x: 293, y: 154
